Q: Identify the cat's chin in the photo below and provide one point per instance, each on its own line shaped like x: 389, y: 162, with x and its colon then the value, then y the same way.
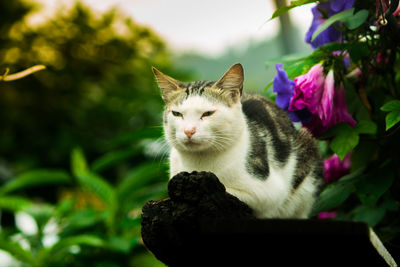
x: 193, y: 146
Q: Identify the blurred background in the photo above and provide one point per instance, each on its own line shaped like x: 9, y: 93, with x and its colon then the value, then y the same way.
x: 81, y: 146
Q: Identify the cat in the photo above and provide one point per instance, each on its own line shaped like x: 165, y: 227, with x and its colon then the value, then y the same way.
x: 249, y: 143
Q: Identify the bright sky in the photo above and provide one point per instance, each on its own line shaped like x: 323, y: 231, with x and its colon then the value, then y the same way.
x: 207, y: 26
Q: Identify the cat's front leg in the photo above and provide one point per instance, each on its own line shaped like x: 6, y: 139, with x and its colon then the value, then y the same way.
x: 264, y: 205
x: 175, y: 164
x: 250, y: 199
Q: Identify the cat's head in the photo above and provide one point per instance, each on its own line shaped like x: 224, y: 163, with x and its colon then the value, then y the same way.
x: 202, y: 115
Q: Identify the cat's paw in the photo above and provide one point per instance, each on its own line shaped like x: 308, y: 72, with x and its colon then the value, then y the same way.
x: 191, y: 187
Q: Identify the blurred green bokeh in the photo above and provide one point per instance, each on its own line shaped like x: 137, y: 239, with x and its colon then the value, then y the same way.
x: 97, y: 86
x: 97, y: 93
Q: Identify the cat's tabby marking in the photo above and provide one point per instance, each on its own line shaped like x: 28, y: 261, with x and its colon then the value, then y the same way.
x: 245, y: 139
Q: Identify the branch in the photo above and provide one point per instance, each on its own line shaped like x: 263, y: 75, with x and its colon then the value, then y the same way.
x: 21, y: 74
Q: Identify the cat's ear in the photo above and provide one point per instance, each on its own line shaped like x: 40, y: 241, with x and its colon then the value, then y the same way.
x: 232, y: 80
x: 167, y: 84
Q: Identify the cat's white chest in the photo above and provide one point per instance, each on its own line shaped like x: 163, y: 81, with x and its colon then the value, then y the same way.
x: 228, y: 166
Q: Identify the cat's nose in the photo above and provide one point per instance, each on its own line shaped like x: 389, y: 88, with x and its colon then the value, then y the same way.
x: 190, y: 131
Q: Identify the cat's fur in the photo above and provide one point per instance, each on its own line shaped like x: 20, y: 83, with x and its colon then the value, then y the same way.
x: 245, y: 140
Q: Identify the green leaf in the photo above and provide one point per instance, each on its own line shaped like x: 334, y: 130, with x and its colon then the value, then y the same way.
x: 60, y: 249
x: 392, y: 119
x: 150, y: 133
x: 113, y: 158
x: 391, y: 105
x: 140, y: 177
x: 266, y: 91
x: 88, y: 240
x: 341, y: 16
x: 293, y: 4
x: 371, y: 215
x: 13, y: 203
x: 98, y: 186
x: 121, y: 244
x: 78, y: 162
x: 374, y: 185
x: 82, y: 219
x: 394, y: 116
x: 16, y: 251
x: 336, y: 193
x: 36, y: 178
x: 289, y: 59
x: 366, y: 127
x: 40, y: 212
x: 356, y: 20
x: 345, y: 140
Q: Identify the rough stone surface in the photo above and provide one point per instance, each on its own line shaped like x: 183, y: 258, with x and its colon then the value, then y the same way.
x: 173, y: 224
x: 202, y: 225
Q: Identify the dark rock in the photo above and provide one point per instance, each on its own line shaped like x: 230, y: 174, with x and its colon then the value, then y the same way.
x: 173, y: 224
x: 202, y: 225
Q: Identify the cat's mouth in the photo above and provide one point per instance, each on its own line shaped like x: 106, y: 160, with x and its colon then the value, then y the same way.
x: 191, y: 142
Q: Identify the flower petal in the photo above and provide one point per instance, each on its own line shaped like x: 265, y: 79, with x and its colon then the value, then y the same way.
x: 283, y: 87
x: 334, y: 168
x: 325, y: 108
x: 341, y: 114
x: 307, y: 90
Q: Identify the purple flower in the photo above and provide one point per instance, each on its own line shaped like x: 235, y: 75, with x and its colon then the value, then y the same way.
x: 284, y: 89
x: 335, y: 169
x: 340, y: 5
x: 331, y: 34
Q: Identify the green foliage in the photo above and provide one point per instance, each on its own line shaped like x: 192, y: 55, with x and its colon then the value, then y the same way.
x: 346, y: 138
x: 336, y: 193
x: 95, y: 220
x: 394, y: 116
x: 98, y: 84
x: 348, y: 17
x: 17, y: 251
x: 293, y: 4
x: 36, y: 177
x: 14, y: 203
x: 366, y: 63
x: 98, y: 93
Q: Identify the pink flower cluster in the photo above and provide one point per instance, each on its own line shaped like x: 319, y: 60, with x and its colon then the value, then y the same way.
x: 319, y: 96
x: 334, y: 168
x: 324, y: 99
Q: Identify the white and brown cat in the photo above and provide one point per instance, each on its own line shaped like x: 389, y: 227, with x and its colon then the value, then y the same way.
x: 245, y: 140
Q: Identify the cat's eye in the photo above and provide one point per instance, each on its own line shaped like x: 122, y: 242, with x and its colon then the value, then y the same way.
x: 177, y: 114
x: 207, y: 114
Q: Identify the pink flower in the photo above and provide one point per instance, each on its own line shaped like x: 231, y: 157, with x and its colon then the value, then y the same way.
x: 335, y: 169
x: 341, y: 113
x: 318, y: 94
x: 325, y: 106
x: 327, y: 215
x: 307, y: 90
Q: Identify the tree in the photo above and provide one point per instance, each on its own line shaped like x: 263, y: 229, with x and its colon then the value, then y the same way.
x: 97, y: 86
